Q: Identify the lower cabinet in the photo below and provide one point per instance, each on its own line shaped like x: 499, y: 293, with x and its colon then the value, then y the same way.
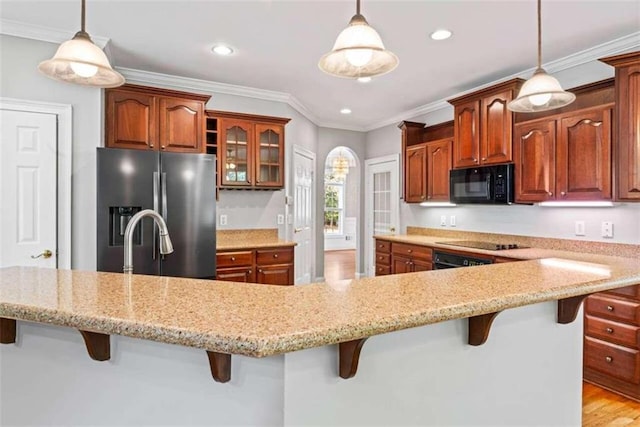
x: 269, y: 266
x: 396, y: 258
x: 612, y: 340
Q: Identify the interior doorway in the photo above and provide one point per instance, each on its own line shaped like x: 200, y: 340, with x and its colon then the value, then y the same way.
x: 341, y: 214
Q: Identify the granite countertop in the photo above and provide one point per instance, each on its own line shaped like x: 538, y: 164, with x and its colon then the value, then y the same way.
x: 261, y: 320
x: 236, y: 240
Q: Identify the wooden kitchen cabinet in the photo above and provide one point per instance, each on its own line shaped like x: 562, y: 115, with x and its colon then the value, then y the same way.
x: 612, y: 340
x: 146, y: 118
x: 426, y: 164
x: 407, y: 258
x: 564, y: 157
x: 483, y: 126
x: 416, y: 174
x: 383, y: 257
x: 627, y: 125
x: 269, y: 266
x: 439, y: 163
x: 250, y: 149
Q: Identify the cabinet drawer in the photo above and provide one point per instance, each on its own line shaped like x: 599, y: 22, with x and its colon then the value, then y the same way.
x: 612, y: 359
x: 234, y: 259
x: 613, y: 308
x: 413, y: 251
x: 274, y: 256
x: 615, y: 332
x: 382, y: 270
x: 383, y: 246
x: 627, y: 291
x: 383, y: 259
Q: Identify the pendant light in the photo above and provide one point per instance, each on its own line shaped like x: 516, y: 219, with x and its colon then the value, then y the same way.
x: 81, y: 62
x: 541, y: 92
x: 340, y: 166
x: 358, y: 52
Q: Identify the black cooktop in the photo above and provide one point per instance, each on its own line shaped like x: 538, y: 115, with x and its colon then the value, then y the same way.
x: 488, y: 246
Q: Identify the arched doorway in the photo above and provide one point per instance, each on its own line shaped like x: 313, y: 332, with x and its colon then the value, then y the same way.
x: 342, y: 184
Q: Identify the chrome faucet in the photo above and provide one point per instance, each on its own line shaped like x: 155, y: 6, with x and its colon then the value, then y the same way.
x: 166, y: 247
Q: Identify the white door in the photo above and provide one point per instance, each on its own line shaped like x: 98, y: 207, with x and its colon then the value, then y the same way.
x: 304, y: 172
x: 382, y: 203
x: 28, y: 178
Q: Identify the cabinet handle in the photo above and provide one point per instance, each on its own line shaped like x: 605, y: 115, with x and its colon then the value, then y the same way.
x: 275, y: 255
x: 609, y: 308
x: 233, y: 258
x: 260, y: 270
x: 608, y: 359
x: 407, y: 262
x: 609, y: 330
x: 562, y: 193
x: 409, y: 250
x: 248, y: 272
x: 551, y: 193
x: 380, y: 258
x: 484, y: 159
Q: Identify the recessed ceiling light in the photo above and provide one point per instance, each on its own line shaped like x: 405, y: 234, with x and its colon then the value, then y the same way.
x: 364, y: 79
x: 222, y: 50
x: 441, y: 34
x: 345, y: 111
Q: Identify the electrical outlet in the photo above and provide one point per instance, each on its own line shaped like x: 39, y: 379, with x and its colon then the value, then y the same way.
x: 580, y: 229
x: 280, y: 219
x: 443, y: 220
x: 607, y: 229
x: 223, y: 220
x: 452, y: 220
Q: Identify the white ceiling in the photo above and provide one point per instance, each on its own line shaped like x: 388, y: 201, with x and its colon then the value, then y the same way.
x: 278, y: 43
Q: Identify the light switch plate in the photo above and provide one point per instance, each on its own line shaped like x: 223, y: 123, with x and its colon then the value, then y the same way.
x: 280, y: 219
x: 223, y: 219
x: 443, y: 220
x: 607, y: 229
x: 452, y: 220
x: 580, y: 228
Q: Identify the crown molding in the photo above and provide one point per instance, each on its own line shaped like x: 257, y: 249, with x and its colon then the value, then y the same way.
x: 45, y: 34
x: 613, y: 47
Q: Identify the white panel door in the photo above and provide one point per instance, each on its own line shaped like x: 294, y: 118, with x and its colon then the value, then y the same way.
x: 382, y: 200
x: 28, y: 216
x: 304, y: 172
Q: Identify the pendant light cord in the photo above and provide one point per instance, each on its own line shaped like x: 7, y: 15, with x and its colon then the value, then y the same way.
x: 539, y: 34
x: 82, y: 17
x: 357, y: 7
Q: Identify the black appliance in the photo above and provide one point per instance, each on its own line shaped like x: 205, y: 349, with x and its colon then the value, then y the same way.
x: 180, y: 187
x: 442, y: 260
x: 488, y: 246
x: 482, y: 185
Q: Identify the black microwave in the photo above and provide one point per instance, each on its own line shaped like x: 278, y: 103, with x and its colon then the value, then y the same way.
x: 491, y: 185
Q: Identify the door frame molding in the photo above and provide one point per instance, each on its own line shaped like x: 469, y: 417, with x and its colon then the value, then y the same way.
x: 368, y: 201
x: 297, y: 149
x: 64, y: 114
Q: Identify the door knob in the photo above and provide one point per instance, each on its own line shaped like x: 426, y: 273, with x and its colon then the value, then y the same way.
x: 392, y: 229
x: 297, y: 230
x: 45, y: 254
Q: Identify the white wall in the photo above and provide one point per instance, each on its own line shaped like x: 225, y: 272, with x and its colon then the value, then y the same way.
x: 515, y: 219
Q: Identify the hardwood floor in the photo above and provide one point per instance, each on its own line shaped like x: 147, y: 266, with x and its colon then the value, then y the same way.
x: 339, y: 266
x: 601, y: 408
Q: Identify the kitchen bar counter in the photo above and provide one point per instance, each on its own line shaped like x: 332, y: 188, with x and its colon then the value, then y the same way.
x: 259, y: 321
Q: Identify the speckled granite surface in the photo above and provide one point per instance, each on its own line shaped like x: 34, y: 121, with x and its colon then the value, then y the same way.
x: 229, y: 240
x: 603, y: 248
x: 262, y: 320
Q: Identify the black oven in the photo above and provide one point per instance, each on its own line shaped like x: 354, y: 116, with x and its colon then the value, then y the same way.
x: 482, y: 185
x: 442, y: 260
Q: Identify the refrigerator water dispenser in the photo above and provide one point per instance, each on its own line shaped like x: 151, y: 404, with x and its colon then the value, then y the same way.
x: 119, y: 217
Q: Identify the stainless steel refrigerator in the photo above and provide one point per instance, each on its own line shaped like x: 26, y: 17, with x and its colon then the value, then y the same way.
x: 181, y: 187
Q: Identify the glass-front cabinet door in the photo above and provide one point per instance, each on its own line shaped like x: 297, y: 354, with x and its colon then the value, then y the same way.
x: 269, y: 155
x: 235, y: 154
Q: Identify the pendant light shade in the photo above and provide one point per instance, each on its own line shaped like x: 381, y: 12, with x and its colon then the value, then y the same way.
x: 358, y: 52
x: 81, y: 62
x: 541, y: 92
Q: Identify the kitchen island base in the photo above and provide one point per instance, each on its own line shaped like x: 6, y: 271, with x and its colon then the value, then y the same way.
x: 529, y: 372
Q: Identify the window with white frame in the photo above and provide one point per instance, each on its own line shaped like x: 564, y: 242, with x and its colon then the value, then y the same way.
x: 334, y: 196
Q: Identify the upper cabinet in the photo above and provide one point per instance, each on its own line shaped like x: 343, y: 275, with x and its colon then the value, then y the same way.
x: 149, y: 118
x: 250, y: 149
x: 426, y: 161
x: 566, y: 156
x: 483, y: 126
x: 627, y: 124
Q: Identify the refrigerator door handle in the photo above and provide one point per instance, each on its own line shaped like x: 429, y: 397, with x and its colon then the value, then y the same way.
x: 163, y: 186
x: 156, y: 191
